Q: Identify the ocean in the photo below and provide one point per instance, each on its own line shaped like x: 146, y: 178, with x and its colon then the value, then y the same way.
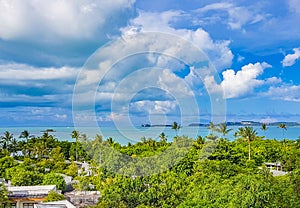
x: 128, y: 134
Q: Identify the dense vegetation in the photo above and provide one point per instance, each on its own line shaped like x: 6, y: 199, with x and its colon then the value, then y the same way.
x: 212, y: 171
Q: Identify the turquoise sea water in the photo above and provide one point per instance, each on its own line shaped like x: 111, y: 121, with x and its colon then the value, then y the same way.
x: 128, y: 134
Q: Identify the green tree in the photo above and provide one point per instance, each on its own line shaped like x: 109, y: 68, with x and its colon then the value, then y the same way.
x: 72, y: 170
x: 222, y: 129
x: 75, y: 135
x: 25, y: 134
x: 6, y: 163
x: 264, y: 127
x: 55, y: 179
x: 211, y: 127
x: 176, y: 127
x: 249, y: 134
x: 163, y: 137
x: 283, y: 127
x: 3, y: 195
x: 53, y: 196
x: 6, y: 140
x: 19, y: 176
x: 13, y: 146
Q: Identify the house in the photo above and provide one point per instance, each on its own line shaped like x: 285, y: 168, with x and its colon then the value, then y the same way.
x: 83, y: 198
x: 56, y: 204
x: 84, y: 167
x: 274, y: 166
x: 276, y: 169
x: 27, y: 196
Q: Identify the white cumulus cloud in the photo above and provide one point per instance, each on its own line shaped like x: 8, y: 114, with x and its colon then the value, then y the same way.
x: 218, y: 51
x: 237, y: 84
x: 59, y: 18
x: 290, y: 59
x: 284, y: 92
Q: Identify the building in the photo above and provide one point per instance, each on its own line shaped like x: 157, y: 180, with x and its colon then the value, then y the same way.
x: 83, y: 198
x: 27, y: 196
x: 57, y: 204
x: 276, y: 169
x: 274, y: 166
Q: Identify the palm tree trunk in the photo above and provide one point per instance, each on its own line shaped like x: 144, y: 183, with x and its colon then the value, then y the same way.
x: 249, y: 150
x: 76, y: 150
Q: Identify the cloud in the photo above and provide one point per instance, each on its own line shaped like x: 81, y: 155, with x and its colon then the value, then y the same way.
x: 284, y: 92
x: 290, y: 59
x: 59, y: 32
x: 268, y: 120
x: 218, y: 51
x: 153, y: 107
x: 237, y: 16
x: 17, y: 72
x: 58, y: 18
x: 240, y: 83
x: 294, y: 6
x: 25, y: 85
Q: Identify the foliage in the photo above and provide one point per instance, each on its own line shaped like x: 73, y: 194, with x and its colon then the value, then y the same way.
x: 3, y: 195
x: 55, y: 179
x: 211, y: 172
x: 53, y: 196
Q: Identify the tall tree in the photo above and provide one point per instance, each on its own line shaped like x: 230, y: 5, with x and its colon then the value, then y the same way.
x: 211, y: 127
x: 264, y: 127
x: 249, y: 134
x: 75, y: 135
x: 283, y: 127
x: 176, y: 127
x: 222, y: 129
x: 25, y: 134
x: 13, y: 146
x: 6, y: 139
x: 163, y: 137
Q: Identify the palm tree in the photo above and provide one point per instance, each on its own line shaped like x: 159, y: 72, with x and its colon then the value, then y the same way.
x: 13, y: 147
x: 176, y: 127
x: 25, y: 134
x: 222, y: 129
x: 249, y: 134
x: 6, y: 139
x: 283, y: 127
x: 75, y: 135
x: 212, y: 127
x: 264, y: 127
x: 163, y: 137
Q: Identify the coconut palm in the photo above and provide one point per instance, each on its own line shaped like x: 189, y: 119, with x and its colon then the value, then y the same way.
x: 283, y: 127
x: 163, y: 137
x: 249, y: 134
x: 75, y: 135
x: 212, y: 127
x: 176, y: 127
x: 264, y: 127
x: 222, y: 129
x: 13, y: 146
x: 6, y: 139
x: 25, y: 134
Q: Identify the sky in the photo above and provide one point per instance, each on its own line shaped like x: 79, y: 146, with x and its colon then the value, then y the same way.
x: 139, y: 61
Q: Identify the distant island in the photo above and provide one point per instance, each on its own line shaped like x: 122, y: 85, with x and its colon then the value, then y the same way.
x: 250, y: 123
x: 231, y: 123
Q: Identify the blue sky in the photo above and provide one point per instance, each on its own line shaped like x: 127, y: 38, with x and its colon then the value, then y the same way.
x: 45, y: 45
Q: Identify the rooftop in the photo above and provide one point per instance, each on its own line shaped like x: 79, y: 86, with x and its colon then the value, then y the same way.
x: 29, y: 191
x: 57, y: 204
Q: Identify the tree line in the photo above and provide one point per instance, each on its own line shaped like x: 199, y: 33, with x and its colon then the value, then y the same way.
x: 212, y: 171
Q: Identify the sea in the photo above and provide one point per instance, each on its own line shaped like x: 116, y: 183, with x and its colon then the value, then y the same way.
x: 124, y: 135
